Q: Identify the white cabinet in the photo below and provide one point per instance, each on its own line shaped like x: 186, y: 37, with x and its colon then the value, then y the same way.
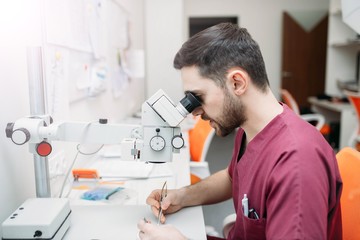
x: 343, y: 47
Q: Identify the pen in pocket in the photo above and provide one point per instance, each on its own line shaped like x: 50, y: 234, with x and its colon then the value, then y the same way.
x: 245, y: 205
x: 253, y: 214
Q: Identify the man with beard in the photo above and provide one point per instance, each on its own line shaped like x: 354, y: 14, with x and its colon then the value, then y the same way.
x: 283, y: 176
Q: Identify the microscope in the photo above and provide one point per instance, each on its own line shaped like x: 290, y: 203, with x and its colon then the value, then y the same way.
x: 155, y: 140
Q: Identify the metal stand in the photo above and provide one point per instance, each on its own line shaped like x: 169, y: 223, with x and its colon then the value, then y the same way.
x: 37, y: 108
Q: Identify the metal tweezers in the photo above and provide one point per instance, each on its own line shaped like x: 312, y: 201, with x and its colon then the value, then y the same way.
x: 162, y: 196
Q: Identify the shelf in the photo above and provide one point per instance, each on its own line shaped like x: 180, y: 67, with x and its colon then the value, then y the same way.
x: 349, y: 43
x: 342, y: 48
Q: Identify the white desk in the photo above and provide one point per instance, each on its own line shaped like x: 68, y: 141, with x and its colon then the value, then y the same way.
x: 337, y: 112
x: 140, y: 189
x: 113, y: 222
x: 109, y: 221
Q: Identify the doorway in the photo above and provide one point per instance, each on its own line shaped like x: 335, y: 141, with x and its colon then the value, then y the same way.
x: 197, y: 24
x: 304, y: 57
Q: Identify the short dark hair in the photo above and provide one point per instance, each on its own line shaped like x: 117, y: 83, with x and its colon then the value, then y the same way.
x: 217, y: 49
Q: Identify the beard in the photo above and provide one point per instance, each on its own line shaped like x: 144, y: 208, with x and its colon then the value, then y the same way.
x: 233, y: 116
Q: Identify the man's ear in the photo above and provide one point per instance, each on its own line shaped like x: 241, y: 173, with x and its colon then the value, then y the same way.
x: 238, y: 81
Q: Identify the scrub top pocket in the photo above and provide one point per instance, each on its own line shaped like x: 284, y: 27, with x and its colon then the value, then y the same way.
x: 254, y: 228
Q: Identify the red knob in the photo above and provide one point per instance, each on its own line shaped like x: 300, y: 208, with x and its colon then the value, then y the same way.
x: 44, y: 149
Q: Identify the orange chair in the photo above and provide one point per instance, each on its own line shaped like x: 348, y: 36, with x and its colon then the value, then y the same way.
x: 349, y: 166
x: 354, y: 99
x: 289, y: 100
x: 200, y: 137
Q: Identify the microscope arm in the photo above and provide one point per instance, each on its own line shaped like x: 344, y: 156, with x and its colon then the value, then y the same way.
x: 157, y: 137
x: 92, y: 132
x: 35, y: 130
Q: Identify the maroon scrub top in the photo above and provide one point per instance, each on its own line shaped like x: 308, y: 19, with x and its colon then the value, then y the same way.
x: 291, y: 178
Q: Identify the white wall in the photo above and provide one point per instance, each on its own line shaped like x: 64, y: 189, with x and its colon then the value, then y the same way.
x: 20, y: 26
x: 17, y: 180
x: 164, y: 37
x: 262, y: 18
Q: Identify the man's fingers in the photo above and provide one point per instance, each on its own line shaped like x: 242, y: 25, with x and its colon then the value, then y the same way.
x: 165, y: 203
x: 162, y: 218
x: 141, y: 235
x: 152, y: 201
x: 155, y: 210
x: 141, y: 224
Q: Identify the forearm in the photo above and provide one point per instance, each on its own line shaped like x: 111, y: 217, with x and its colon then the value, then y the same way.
x: 214, y: 189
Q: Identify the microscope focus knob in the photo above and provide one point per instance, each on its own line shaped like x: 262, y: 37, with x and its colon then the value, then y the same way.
x: 157, y: 143
x: 20, y: 136
x: 177, y: 141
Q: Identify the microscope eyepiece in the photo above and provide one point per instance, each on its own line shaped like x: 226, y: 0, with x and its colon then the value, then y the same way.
x: 190, y: 102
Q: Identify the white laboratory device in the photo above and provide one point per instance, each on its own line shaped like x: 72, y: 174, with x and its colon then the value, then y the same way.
x: 38, y: 218
x: 155, y: 140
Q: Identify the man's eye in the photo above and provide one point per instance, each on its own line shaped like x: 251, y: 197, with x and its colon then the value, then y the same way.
x: 199, y: 98
x: 193, y: 95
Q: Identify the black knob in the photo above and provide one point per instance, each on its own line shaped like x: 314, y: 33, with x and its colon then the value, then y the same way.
x: 103, y: 121
x: 9, y: 129
x: 38, y: 233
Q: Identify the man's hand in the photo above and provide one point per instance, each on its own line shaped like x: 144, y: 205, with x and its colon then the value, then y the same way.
x: 170, y: 204
x: 150, y: 231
